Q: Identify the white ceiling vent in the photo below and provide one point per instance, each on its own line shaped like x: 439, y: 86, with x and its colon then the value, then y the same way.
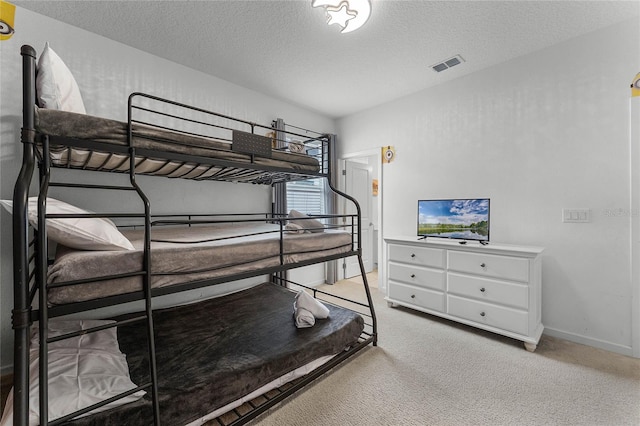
x: 444, y: 65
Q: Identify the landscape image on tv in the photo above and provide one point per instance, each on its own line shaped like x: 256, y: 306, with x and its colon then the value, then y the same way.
x: 466, y: 219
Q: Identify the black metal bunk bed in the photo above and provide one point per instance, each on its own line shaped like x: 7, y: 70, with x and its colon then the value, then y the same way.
x: 147, y: 149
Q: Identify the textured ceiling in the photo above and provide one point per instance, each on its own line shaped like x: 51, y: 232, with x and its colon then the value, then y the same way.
x: 285, y: 49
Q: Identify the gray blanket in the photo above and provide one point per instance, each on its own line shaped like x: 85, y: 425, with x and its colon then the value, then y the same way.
x: 186, y: 260
x: 212, y: 353
x: 87, y: 127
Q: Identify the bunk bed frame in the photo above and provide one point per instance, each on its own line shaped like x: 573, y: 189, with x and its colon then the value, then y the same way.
x: 30, y: 246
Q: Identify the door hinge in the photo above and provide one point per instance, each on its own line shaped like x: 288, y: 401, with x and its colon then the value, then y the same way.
x: 344, y: 173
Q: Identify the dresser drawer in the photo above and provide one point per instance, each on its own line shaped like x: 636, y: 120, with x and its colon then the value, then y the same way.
x: 490, y: 265
x: 502, y: 292
x: 415, y: 275
x: 492, y: 315
x: 423, y: 256
x: 424, y: 298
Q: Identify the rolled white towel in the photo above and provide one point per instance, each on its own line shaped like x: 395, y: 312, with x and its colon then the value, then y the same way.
x: 303, y: 317
x: 317, y: 308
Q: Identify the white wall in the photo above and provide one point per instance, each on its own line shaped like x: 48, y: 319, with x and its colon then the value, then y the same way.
x: 537, y: 134
x: 107, y: 72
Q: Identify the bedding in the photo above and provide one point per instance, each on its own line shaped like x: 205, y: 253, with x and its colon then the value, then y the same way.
x: 55, y: 85
x: 83, y: 371
x: 211, y: 353
x: 85, y: 233
x: 305, y: 222
x: 274, y: 384
x: 112, y: 135
x: 187, y: 254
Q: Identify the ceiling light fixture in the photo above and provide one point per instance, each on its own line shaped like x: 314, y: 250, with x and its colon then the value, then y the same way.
x: 347, y: 14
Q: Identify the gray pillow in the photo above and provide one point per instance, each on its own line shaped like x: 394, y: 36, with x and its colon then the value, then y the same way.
x: 305, y: 222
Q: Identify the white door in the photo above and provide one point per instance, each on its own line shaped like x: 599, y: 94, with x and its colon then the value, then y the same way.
x: 358, y: 185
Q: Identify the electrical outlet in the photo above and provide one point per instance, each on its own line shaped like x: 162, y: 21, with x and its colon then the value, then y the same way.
x: 576, y: 215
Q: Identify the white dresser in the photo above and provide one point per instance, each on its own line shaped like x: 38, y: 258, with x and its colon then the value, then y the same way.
x: 496, y: 287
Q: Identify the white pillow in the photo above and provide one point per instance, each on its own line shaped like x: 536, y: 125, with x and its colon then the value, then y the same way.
x: 83, y: 370
x: 55, y: 86
x: 81, y: 233
x: 308, y: 224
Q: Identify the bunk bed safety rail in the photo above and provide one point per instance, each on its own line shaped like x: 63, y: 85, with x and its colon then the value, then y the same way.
x: 151, y: 118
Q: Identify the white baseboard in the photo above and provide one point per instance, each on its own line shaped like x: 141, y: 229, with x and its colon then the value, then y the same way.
x: 589, y: 341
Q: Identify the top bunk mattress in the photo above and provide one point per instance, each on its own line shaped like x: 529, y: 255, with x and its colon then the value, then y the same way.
x: 163, y: 149
x: 186, y: 255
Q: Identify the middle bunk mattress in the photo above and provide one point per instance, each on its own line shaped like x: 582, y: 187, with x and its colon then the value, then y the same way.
x: 188, y: 254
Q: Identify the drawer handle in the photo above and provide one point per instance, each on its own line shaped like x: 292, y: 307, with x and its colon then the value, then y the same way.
x: 413, y: 275
x: 413, y: 255
x: 482, y: 289
x: 482, y: 265
x: 482, y: 314
x: 413, y: 296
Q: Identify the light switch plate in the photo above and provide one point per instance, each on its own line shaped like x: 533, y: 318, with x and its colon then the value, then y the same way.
x: 576, y: 215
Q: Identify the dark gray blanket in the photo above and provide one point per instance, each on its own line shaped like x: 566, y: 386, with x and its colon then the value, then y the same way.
x: 213, y: 352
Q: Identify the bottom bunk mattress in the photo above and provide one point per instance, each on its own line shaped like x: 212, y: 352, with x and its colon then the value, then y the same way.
x: 182, y: 255
x: 211, y: 353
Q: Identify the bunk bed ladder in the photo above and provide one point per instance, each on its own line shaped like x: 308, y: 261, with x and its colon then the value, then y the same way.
x: 363, y: 273
x: 21, y: 317
x: 22, y: 314
x: 43, y: 287
x: 330, y: 178
x: 279, y: 197
x: 146, y: 266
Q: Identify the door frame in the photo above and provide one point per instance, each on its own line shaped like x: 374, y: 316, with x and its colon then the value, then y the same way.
x: 377, y: 204
x: 360, y: 189
x: 634, y: 218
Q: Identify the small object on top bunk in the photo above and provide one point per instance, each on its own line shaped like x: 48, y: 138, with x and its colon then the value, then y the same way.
x: 306, y: 309
x: 250, y: 143
x: 296, y: 146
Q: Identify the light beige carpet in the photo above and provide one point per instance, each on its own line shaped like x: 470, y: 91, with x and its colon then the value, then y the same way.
x: 429, y: 371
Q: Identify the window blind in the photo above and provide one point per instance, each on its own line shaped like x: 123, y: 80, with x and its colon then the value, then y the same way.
x: 306, y: 196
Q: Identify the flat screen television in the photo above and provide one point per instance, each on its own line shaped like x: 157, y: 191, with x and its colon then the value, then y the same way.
x: 462, y: 219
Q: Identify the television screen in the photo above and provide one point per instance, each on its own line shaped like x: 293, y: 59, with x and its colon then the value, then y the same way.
x: 465, y: 219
